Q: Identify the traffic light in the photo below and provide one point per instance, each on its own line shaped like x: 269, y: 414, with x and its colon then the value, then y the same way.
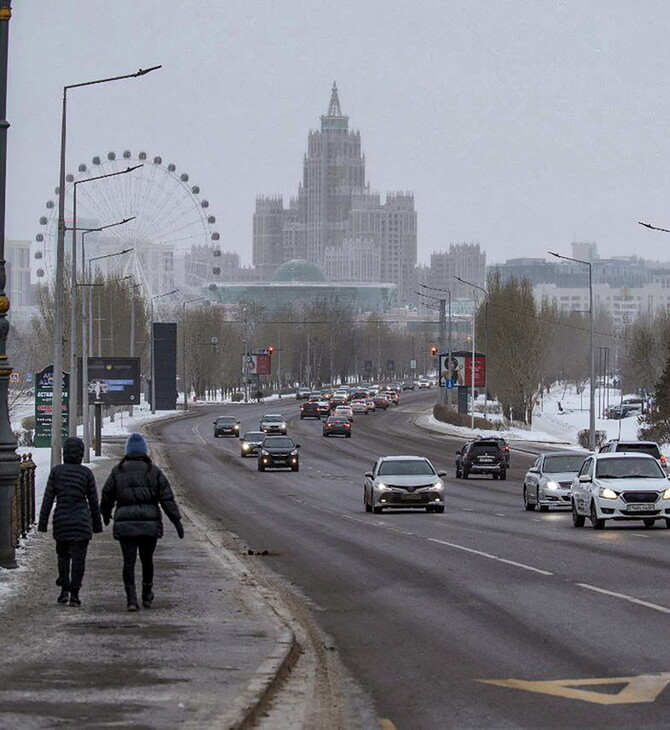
x: 271, y: 349
x: 433, y: 350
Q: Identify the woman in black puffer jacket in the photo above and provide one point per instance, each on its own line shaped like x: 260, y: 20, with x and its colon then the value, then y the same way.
x: 76, y: 517
x: 139, y: 489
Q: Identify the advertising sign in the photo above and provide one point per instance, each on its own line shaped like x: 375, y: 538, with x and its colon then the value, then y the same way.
x: 459, y: 370
x: 112, y: 381
x: 257, y: 363
x: 44, y: 406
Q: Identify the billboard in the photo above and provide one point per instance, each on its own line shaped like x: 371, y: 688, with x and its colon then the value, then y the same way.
x: 165, y: 365
x: 459, y: 370
x: 112, y: 381
x: 44, y: 406
x: 257, y: 363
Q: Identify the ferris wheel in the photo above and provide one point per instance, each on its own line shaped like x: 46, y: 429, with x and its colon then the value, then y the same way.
x: 169, y: 215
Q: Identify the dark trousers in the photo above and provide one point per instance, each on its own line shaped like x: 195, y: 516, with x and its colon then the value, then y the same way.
x: 71, y: 563
x: 130, y: 546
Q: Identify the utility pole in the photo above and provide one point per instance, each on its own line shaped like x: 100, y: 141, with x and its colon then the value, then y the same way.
x: 9, y: 460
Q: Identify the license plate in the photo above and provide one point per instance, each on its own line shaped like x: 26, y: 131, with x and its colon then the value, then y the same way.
x: 640, y: 507
x: 486, y: 458
x: 410, y: 497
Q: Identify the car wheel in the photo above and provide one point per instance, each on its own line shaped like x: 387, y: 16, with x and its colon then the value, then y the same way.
x: 458, y: 473
x: 348, y: 435
x: 577, y: 519
x: 439, y: 509
x: 495, y: 476
x: 648, y: 522
x: 368, y: 507
x: 541, y: 507
x: 503, y: 474
x: 529, y: 506
x: 464, y: 474
x: 596, y: 522
x: 667, y: 523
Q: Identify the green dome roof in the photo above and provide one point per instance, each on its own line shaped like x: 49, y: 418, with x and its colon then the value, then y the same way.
x: 299, y: 270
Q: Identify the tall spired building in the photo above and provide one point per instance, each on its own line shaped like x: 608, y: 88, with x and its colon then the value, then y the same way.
x: 336, y: 221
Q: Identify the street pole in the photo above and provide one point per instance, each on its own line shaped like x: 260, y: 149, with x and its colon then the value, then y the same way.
x: 9, y: 460
x: 183, y: 345
x: 443, y: 324
x: 57, y: 408
x: 472, y: 367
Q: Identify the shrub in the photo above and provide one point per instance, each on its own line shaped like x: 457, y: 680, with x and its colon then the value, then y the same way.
x: 442, y: 413
x: 237, y: 397
x: 28, y: 423
x: 583, y: 438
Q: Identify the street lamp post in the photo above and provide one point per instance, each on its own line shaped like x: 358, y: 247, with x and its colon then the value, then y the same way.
x: 57, y: 409
x: 153, y: 359
x: 9, y: 461
x: 72, y: 428
x: 448, y: 293
x: 183, y: 345
x: 592, y: 358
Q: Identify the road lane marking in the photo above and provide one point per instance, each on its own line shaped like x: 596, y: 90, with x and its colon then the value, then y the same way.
x: 199, y: 435
x: 498, y: 514
x: 489, y: 556
x: 645, y: 688
x: 623, y: 596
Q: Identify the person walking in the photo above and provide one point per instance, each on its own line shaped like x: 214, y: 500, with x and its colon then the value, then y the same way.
x: 139, y: 490
x: 76, y: 517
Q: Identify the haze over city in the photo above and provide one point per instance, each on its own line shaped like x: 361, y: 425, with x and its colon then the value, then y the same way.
x: 517, y: 125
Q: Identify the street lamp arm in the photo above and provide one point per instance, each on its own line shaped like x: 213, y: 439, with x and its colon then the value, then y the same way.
x: 653, y: 228
x: 140, y: 72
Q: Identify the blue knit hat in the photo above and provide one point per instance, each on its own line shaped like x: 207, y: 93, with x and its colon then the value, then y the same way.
x: 136, y: 444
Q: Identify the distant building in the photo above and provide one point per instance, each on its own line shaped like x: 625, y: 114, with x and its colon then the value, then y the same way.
x: 19, y: 289
x: 465, y: 260
x: 336, y: 221
x: 584, y: 250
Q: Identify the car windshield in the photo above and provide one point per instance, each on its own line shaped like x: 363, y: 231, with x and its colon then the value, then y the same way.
x: 272, y: 418
x: 225, y: 421
x: 254, y: 436
x: 565, y: 463
x: 641, y: 448
x: 279, y: 442
x: 629, y: 468
x: 405, y: 467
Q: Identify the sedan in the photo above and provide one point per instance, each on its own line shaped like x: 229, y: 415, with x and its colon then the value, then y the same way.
x: 344, y: 411
x: 323, y: 406
x: 548, y: 482
x: 272, y: 423
x: 616, y: 486
x: 226, y: 426
x: 278, y: 452
x: 337, y: 426
x: 403, y: 482
x: 381, y: 401
x: 359, y: 406
x: 251, y: 442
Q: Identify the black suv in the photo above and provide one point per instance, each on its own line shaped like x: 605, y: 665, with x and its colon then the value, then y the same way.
x: 311, y: 409
x: 226, y: 426
x: 483, y: 456
x: 280, y: 452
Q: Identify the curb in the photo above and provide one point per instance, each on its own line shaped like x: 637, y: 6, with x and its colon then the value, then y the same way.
x: 255, y: 697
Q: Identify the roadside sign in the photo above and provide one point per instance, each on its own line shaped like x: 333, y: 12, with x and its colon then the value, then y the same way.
x: 412, y: 364
x: 390, y: 366
x: 44, y: 406
x: 449, y: 384
x: 112, y: 380
x: 14, y: 377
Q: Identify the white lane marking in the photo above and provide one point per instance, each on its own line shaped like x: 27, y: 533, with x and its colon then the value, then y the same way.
x: 623, y: 596
x: 498, y: 514
x: 489, y: 556
x: 467, y: 509
x: 637, y: 534
x: 199, y: 435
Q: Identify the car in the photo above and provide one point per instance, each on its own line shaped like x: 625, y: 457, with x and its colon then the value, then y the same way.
x: 424, y: 384
x: 303, y: 393
x: 359, y: 394
x: 226, y: 426
x: 340, y: 398
x: 323, y: 407
x: 345, y: 411
x: 250, y: 443
x: 337, y: 425
x: 634, y: 447
x: 393, y: 396
x: 272, y: 423
x: 482, y: 456
x: 409, y: 385
x: 504, y: 446
x: 381, y: 401
x: 311, y: 409
x: 278, y: 452
x: 403, y: 482
x: 370, y: 402
x: 620, y: 486
x: 548, y: 482
x: 315, y: 396
x: 358, y: 406
x: 622, y: 411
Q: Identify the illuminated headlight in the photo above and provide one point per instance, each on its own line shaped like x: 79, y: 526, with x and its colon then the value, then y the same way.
x: 283, y: 425
x: 245, y: 447
x: 381, y: 485
x: 265, y: 453
x: 236, y: 427
x: 607, y: 493
x: 552, y: 485
x: 294, y: 452
x: 437, y: 485
x: 666, y: 494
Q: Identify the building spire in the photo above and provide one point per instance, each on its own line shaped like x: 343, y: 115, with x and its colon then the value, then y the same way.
x: 334, y: 106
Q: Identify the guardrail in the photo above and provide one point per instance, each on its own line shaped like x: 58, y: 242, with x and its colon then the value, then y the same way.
x: 23, y: 501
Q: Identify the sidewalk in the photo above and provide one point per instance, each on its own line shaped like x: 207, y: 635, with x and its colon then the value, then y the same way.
x: 205, y: 655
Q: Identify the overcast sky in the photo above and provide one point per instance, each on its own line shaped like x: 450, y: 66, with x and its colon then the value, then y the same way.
x: 522, y: 125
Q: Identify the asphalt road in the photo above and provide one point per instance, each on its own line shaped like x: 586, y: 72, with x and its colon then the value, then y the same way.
x: 430, y: 611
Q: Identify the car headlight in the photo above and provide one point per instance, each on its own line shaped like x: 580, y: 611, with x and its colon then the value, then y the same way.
x: 437, y: 485
x: 381, y: 485
x: 283, y: 425
x: 608, y: 493
x: 245, y: 447
x: 265, y: 453
x: 294, y: 452
x: 666, y: 494
x: 236, y: 427
x: 552, y: 485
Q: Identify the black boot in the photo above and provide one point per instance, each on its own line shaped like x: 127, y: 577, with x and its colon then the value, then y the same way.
x: 64, y: 595
x: 131, y: 597
x: 74, y: 597
x: 147, y: 595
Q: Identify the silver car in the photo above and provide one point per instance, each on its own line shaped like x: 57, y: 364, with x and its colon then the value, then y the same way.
x: 548, y: 481
x: 403, y: 482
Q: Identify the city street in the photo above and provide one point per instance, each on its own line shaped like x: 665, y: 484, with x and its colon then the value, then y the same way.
x: 486, y: 615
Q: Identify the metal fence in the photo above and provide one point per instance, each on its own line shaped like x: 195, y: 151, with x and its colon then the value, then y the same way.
x: 23, y: 501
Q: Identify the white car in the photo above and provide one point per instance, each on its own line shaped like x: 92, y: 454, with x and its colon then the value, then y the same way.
x: 548, y: 482
x: 345, y: 411
x: 403, y: 482
x: 424, y: 384
x: 359, y: 406
x: 618, y: 486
